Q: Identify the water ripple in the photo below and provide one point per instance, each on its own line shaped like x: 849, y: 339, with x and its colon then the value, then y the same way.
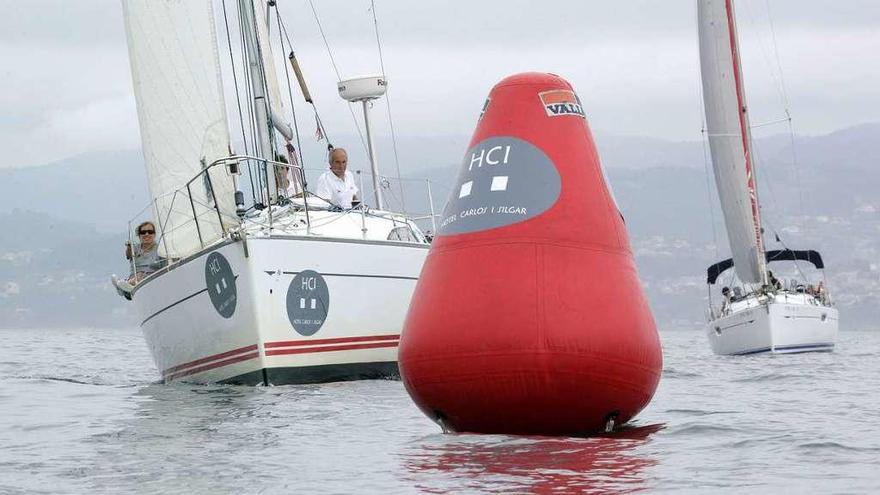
x: 89, y: 416
x: 825, y: 447
x: 698, y: 412
x: 769, y: 377
x: 703, y: 429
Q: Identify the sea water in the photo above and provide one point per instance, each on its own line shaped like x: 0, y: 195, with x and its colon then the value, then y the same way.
x: 81, y: 412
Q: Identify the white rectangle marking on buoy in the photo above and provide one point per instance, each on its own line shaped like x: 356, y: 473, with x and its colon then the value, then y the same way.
x: 466, y: 189
x: 302, y: 303
x: 499, y: 183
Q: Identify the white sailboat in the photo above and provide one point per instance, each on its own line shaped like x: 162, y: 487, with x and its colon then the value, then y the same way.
x: 762, y: 314
x: 277, y: 291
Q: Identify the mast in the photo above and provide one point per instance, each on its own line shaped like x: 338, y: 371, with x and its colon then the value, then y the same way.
x: 746, y: 131
x: 261, y: 106
x: 374, y: 162
x: 729, y: 134
x: 365, y: 89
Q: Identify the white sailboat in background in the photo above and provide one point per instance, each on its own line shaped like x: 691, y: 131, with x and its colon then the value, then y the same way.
x: 281, y: 290
x: 761, y: 315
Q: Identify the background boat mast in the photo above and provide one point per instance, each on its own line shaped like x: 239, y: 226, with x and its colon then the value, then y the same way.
x: 727, y: 129
x: 745, y: 129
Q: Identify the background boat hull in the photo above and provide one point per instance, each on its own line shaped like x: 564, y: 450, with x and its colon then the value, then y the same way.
x: 776, y: 327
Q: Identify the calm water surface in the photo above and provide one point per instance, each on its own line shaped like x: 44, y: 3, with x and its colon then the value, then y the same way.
x: 80, y: 412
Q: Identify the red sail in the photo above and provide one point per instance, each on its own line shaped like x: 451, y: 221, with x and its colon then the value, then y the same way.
x: 529, y: 316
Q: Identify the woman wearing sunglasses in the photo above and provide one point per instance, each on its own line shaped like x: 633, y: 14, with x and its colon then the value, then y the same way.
x: 146, y: 254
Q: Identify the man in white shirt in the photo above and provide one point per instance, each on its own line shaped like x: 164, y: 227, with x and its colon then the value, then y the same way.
x: 337, y: 184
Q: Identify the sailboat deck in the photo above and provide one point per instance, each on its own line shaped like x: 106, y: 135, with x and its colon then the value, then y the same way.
x: 784, y: 296
x: 357, y: 223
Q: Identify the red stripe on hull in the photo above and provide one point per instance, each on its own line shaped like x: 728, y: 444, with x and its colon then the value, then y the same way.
x: 210, y: 358
x: 211, y: 366
x: 310, y: 350
x: 340, y: 340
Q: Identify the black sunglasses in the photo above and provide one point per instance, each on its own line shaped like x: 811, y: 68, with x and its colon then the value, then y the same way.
x: 145, y: 232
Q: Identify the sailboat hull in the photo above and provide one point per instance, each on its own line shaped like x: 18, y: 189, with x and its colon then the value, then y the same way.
x: 778, y: 326
x: 280, y: 310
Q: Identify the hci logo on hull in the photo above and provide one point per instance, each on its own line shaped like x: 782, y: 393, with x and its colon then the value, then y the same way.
x: 221, y: 284
x: 308, y: 302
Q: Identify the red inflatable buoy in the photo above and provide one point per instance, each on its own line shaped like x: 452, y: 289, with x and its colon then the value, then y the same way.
x: 529, y: 317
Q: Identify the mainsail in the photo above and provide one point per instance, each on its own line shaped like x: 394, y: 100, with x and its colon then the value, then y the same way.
x: 729, y: 137
x: 176, y: 76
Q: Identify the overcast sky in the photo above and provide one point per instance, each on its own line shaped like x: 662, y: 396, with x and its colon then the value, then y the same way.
x: 66, y: 85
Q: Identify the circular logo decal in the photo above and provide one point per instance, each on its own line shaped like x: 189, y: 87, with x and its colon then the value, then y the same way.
x: 503, y: 180
x: 308, y: 301
x: 221, y: 284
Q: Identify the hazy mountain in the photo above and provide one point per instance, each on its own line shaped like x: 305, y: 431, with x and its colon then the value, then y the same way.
x: 56, y: 273
x: 103, y: 189
x: 108, y: 188
x: 64, y: 223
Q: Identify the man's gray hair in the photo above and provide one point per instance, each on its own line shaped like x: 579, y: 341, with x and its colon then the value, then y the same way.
x: 334, y: 150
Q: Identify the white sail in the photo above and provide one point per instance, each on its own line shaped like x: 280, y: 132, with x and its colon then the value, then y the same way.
x: 176, y: 76
x: 729, y: 137
x: 276, y: 101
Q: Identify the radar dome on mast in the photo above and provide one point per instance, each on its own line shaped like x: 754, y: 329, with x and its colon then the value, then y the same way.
x: 361, y: 88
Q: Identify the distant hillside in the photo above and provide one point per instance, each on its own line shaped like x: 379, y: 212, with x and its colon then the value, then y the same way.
x: 103, y: 189
x: 108, y: 188
x: 56, y: 273
x: 853, y: 147
x: 63, y: 223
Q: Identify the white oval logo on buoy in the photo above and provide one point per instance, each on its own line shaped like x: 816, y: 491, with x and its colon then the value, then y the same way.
x: 503, y: 181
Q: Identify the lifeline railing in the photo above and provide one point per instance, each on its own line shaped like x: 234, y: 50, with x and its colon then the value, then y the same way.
x: 232, y: 164
x: 424, y: 208
x: 819, y: 296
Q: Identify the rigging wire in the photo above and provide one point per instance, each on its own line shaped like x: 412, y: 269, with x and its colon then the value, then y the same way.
x: 706, y: 155
x: 706, y: 160
x: 796, y: 169
x: 314, y: 105
x: 777, y: 75
x: 250, y: 108
x: 238, y: 100
x: 768, y: 186
x: 234, y: 78
x: 772, y: 122
x: 782, y: 86
x: 794, y: 162
x: 388, y: 108
x: 326, y: 43
x: 785, y: 246
x: 751, y: 154
x: 266, y: 93
x: 779, y: 83
x: 290, y: 91
x: 760, y: 42
x: 338, y: 77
